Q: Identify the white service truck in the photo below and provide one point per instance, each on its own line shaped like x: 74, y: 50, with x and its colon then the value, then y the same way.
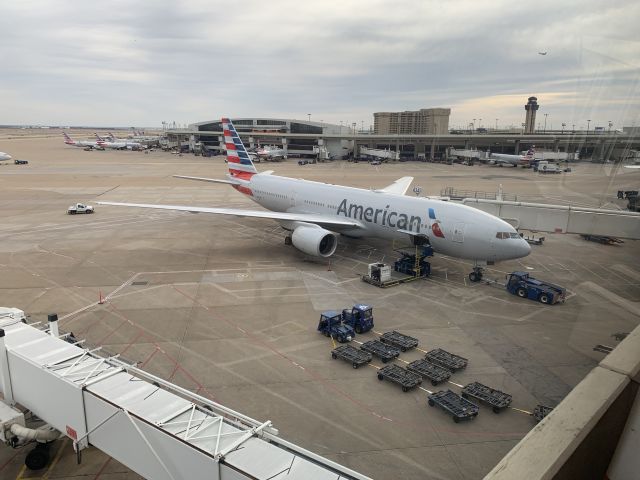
x: 79, y: 208
x: 547, y: 167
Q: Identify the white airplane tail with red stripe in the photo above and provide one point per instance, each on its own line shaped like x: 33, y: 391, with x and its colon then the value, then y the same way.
x: 240, y: 165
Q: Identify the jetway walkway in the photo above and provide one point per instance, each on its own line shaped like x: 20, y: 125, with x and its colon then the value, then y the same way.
x: 542, y: 217
x: 378, y: 153
x: 155, y: 428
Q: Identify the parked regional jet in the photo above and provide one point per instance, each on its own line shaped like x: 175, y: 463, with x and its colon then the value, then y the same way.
x: 502, y: 159
x: 270, y: 152
x: 81, y: 143
x: 316, y: 212
x: 4, y: 156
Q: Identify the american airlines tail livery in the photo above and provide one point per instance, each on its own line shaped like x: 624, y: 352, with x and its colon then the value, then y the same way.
x: 525, y: 160
x: 315, y: 213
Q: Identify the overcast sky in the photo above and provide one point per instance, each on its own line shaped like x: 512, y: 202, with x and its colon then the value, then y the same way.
x: 133, y: 63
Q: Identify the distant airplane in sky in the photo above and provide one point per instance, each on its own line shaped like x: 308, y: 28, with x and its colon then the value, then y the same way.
x: 502, y: 159
x: 4, y: 156
x: 316, y: 212
x: 542, y: 53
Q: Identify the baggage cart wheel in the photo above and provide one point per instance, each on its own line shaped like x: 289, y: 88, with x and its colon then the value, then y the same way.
x: 544, y: 298
x: 521, y: 292
x: 334, y: 356
x: 404, y: 349
x: 496, y: 410
x: 380, y: 377
x: 456, y: 419
x: 431, y: 403
x: 405, y: 389
x: 358, y: 329
x: 464, y: 395
x: 434, y: 383
x: 385, y: 360
x: 355, y: 365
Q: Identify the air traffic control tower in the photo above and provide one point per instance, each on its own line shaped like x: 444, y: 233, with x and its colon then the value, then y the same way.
x: 530, y: 121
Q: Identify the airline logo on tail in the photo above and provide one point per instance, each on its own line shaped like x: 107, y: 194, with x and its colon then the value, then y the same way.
x: 67, y: 139
x: 240, y: 165
x: 530, y: 153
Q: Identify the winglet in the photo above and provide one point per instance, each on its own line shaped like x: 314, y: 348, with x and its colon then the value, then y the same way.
x: 399, y: 187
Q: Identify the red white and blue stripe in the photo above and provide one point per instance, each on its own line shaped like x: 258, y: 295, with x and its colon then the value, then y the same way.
x: 239, y: 163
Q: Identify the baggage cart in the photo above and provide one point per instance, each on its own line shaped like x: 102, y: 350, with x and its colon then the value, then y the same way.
x: 400, y: 340
x: 352, y: 355
x: 495, y: 398
x: 428, y: 370
x: 541, y: 411
x: 460, y: 408
x: 380, y: 350
x: 446, y: 359
x: 406, y: 379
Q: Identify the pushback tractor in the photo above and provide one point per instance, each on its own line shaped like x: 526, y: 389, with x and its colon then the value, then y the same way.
x: 525, y: 286
x: 331, y: 325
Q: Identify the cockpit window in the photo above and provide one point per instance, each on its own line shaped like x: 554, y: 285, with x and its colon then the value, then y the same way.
x: 504, y: 235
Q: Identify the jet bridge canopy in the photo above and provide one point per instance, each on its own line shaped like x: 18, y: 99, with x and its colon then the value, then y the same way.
x: 155, y: 428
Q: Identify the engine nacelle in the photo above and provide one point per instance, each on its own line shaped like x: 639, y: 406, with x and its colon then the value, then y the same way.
x: 314, y: 241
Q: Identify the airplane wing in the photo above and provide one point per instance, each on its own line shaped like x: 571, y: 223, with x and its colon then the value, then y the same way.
x: 632, y: 166
x: 213, y: 180
x: 322, y: 220
x: 399, y: 187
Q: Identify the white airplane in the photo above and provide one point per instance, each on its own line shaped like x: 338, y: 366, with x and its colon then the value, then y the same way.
x: 315, y: 213
x: 81, y: 143
x: 270, y: 152
x: 119, y: 144
x: 502, y: 159
x: 5, y: 156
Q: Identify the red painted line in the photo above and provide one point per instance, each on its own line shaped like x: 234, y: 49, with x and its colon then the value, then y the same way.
x: 155, y: 350
x: 132, y: 342
x: 9, y: 461
x: 102, y: 469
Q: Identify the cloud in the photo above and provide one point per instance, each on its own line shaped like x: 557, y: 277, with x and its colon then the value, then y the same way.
x: 139, y: 63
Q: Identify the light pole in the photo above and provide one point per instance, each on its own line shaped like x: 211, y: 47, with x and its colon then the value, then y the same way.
x: 610, y: 125
x: 480, y: 123
x: 588, y: 122
x: 354, y: 127
x: 474, y: 125
x: 545, y: 123
x: 523, y: 125
x: 361, y: 126
x: 309, y: 115
x: 563, y: 125
x: 496, y: 124
x: 573, y: 129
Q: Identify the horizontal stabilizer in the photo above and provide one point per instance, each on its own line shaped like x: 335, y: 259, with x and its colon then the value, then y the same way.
x: 213, y: 180
x: 399, y: 187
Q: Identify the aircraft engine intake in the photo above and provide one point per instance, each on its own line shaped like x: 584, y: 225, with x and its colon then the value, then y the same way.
x: 314, y: 241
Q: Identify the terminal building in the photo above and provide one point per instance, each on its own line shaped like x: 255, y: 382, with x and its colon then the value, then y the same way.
x: 281, y: 133
x: 426, y: 121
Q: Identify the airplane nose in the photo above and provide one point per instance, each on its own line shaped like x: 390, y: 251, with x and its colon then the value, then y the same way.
x: 523, y: 248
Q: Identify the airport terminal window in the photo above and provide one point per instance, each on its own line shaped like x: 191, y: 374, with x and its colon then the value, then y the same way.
x: 271, y: 122
x: 243, y: 122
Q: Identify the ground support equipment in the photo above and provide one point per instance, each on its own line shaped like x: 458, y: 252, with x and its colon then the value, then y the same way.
x: 460, y: 408
x: 352, y: 355
x: 541, y: 411
x: 495, y: 398
x: 400, y: 340
x: 447, y: 360
x: 406, y: 379
x: 380, y: 350
x: 428, y: 370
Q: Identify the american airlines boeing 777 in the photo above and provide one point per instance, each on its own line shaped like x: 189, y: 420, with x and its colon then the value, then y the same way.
x: 316, y: 212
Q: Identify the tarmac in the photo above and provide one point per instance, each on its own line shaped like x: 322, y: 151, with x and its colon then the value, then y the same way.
x: 221, y: 306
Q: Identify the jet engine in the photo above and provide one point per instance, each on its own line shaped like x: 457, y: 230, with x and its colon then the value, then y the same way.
x: 314, y: 241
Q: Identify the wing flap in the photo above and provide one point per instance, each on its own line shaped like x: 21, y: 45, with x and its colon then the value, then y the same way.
x: 399, y: 187
x: 325, y: 220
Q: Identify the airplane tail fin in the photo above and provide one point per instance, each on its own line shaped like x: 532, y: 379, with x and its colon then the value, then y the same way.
x: 100, y: 139
x: 238, y: 161
x: 67, y: 138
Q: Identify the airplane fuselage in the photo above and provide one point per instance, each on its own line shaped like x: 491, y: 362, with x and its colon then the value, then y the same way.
x: 452, y: 229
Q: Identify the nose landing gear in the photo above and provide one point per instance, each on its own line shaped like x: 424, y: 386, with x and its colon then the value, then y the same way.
x: 478, y: 270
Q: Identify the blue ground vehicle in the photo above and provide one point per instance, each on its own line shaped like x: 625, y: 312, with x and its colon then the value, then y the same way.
x: 331, y: 325
x: 524, y: 286
x: 360, y: 317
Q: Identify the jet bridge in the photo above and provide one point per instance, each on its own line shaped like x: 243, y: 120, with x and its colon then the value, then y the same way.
x: 542, y: 217
x: 155, y: 428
